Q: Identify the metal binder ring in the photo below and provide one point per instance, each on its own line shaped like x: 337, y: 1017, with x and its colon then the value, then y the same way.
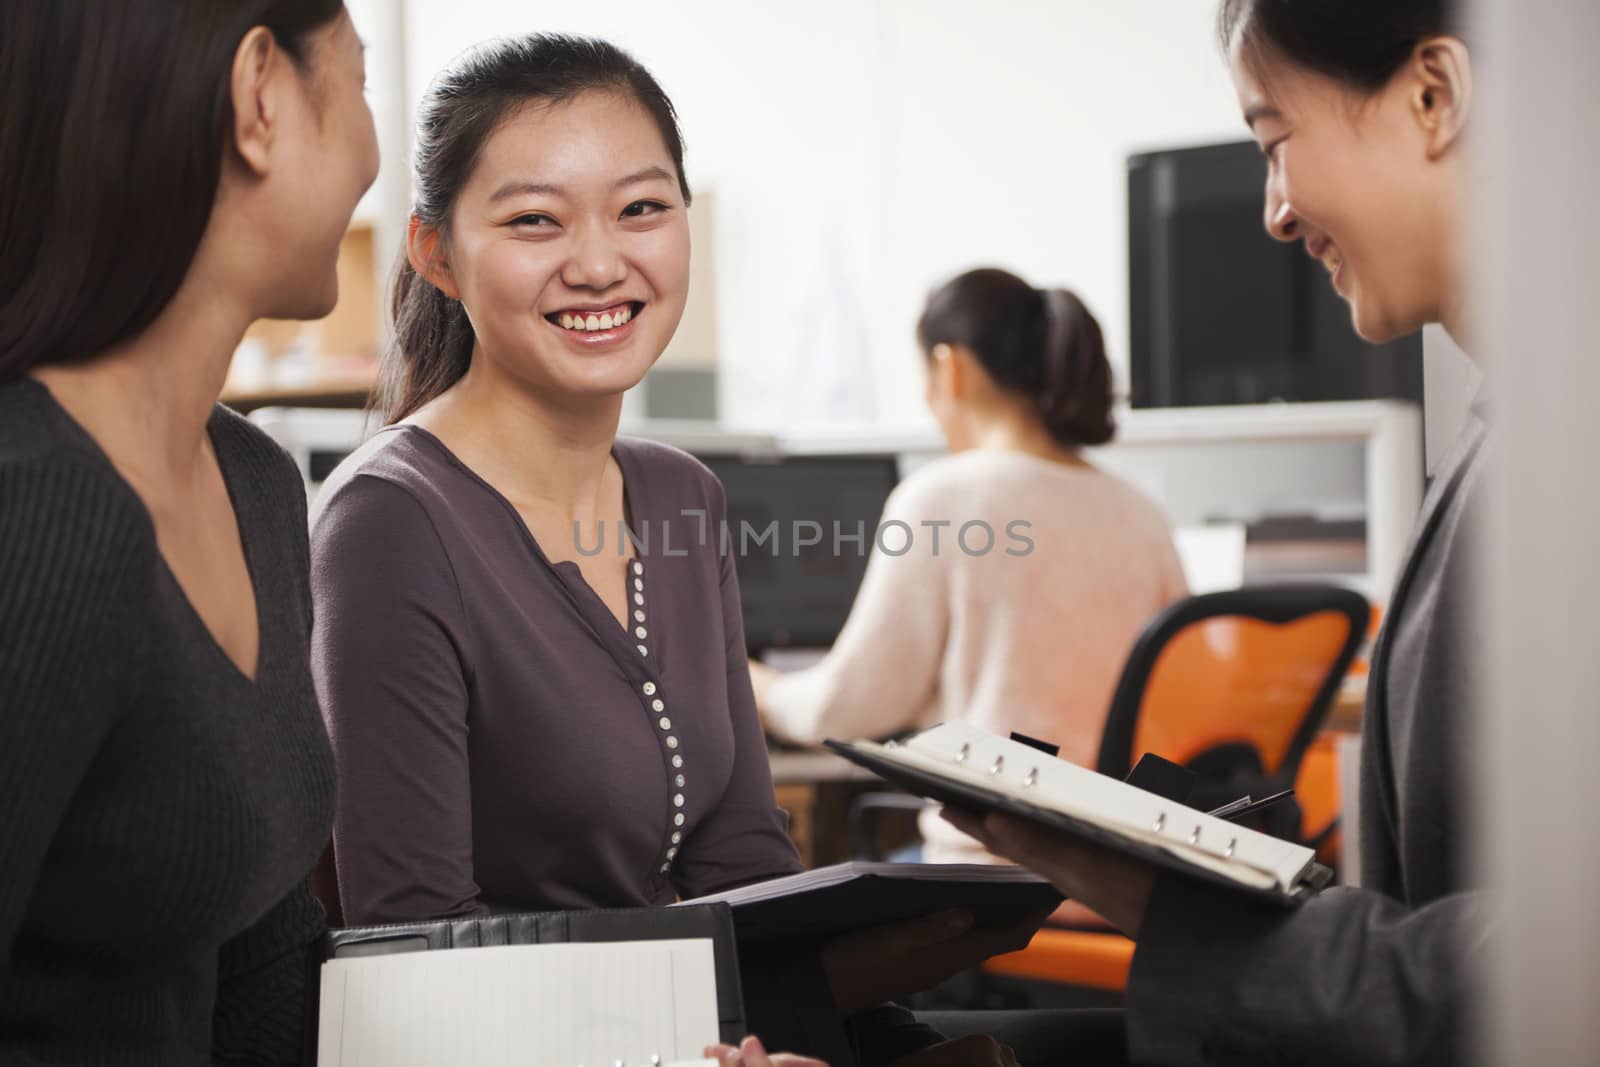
x: 1032, y: 779
x: 1194, y: 838
x: 966, y: 750
x: 999, y: 761
x: 1161, y: 822
x: 1232, y: 843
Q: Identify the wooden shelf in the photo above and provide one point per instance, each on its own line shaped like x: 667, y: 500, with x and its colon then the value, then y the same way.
x: 328, y: 393
x: 345, y: 341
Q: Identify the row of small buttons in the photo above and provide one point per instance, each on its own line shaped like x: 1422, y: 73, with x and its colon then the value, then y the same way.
x: 659, y: 706
x: 638, y: 612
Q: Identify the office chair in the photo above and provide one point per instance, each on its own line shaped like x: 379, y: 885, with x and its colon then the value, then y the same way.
x: 1233, y: 685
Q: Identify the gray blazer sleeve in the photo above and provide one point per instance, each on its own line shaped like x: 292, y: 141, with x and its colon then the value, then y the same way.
x: 1353, y: 976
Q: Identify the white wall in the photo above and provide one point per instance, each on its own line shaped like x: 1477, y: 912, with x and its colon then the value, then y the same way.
x: 863, y: 150
x: 1449, y: 385
x: 1537, y: 277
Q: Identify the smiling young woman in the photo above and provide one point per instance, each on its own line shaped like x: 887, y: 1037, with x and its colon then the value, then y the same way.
x: 1363, y: 139
x: 522, y: 722
x: 1363, y: 109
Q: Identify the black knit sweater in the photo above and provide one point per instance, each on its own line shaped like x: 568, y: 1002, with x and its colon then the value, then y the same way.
x: 159, y: 811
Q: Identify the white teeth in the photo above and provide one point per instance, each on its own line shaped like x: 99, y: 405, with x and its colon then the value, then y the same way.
x: 584, y: 322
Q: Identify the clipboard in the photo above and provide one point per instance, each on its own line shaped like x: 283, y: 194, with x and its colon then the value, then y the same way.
x: 1164, y: 841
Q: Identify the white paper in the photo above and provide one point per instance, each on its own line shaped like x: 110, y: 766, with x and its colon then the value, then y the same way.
x: 557, y: 1005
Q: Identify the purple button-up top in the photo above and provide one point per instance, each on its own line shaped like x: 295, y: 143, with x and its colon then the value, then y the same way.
x: 502, y: 742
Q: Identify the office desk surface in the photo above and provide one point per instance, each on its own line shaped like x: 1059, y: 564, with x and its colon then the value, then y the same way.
x: 814, y: 766
x: 1348, y: 706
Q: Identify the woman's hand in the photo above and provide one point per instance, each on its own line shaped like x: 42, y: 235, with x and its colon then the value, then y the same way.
x: 1106, y: 882
x: 974, y: 1050
x: 871, y: 966
x: 750, y: 1053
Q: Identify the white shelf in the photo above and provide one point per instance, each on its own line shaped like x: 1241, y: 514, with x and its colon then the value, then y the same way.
x: 1389, y: 433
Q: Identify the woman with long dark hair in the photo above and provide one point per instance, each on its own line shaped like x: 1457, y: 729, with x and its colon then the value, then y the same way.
x: 170, y: 171
x: 1021, y: 615
x: 1362, y: 109
x: 531, y: 709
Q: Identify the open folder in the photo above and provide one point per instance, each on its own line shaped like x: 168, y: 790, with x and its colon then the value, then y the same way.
x: 815, y: 905
x: 642, y: 986
x: 966, y: 767
x: 641, y: 1003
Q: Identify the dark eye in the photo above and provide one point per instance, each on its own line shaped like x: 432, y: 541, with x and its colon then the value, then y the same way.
x: 533, y: 219
x: 1270, y: 150
x: 641, y: 208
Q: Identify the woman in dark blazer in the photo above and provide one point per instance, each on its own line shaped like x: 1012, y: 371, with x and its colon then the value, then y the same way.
x: 170, y: 170
x: 1361, y: 110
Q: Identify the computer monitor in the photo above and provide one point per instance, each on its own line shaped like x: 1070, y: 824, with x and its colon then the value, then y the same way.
x: 1223, y: 314
x: 797, y: 595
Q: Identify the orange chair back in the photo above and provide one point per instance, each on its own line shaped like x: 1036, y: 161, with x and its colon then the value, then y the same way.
x: 1235, y: 679
x: 1255, y: 667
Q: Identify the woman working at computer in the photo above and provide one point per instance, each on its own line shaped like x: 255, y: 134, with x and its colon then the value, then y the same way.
x: 1027, y: 571
x: 529, y: 710
x: 1362, y: 110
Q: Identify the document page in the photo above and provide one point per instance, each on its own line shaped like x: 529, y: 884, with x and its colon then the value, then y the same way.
x: 639, y: 1003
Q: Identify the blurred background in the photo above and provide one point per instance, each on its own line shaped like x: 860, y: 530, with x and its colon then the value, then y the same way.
x: 848, y: 156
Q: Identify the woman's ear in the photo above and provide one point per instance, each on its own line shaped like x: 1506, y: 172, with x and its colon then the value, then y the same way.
x: 425, y: 249
x: 255, y: 111
x: 1441, y: 91
x: 943, y: 374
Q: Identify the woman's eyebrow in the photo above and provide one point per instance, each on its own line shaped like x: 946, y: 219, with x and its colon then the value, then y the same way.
x: 648, y: 174
x: 519, y: 186
x: 1256, y: 112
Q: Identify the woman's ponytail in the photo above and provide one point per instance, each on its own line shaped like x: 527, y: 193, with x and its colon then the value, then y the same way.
x: 1075, y: 397
x: 1042, y: 344
x: 430, y: 350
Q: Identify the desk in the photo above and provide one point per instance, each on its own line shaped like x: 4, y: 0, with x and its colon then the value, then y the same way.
x: 808, y: 766
x: 815, y: 787
x: 1348, y: 706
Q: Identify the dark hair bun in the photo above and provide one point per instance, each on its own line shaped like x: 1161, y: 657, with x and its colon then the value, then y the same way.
x: 1044, y: 344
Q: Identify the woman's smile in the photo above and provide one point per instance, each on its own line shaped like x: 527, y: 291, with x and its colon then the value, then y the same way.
x: 597, y: 326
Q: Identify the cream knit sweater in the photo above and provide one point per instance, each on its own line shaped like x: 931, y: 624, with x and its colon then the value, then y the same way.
x: 1028, y: 635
